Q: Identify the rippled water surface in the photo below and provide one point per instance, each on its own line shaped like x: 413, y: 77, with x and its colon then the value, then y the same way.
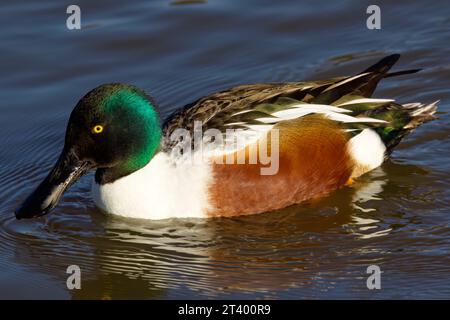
x: 396, y: 217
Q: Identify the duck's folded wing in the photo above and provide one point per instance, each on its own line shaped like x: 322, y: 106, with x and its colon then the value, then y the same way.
x: 260, y: 106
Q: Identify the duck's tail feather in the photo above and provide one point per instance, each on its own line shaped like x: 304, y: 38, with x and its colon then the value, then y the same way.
x: 383, y: 65
x: 362, y: 84
x: 401, y: 73
x: 379, y: 71
x: 403, y: 119
x: 420, y: 113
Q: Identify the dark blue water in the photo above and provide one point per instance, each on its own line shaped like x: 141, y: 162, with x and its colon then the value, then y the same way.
x: 397, y: 217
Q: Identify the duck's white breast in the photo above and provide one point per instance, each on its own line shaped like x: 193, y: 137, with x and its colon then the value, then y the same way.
x: 160, y: 190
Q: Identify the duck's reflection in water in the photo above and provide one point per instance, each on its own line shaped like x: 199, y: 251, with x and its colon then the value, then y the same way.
x: 263, y: 253
x: 305, y: 246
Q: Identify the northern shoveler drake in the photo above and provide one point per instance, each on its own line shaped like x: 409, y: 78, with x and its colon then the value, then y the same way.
x: 327, y: 134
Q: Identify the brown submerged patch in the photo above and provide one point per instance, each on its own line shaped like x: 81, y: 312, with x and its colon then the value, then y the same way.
x: 313, y: 160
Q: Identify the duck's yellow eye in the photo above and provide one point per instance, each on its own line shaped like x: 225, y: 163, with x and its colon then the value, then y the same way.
x: 97, y: 129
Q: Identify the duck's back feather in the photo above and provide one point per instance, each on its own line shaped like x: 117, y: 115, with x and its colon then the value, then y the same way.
x: 245, y: 105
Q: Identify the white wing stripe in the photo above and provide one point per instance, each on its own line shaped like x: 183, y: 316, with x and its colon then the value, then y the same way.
x: 326, y: 110
x: 366, y: 100
x: 349, y: 119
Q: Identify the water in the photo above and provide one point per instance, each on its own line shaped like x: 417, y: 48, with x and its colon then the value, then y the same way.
x: 397, y: 217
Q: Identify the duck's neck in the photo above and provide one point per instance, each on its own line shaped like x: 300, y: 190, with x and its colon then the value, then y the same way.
x: 132, y: 164
x: 109, y: 175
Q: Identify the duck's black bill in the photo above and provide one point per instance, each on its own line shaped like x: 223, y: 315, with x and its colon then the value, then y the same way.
x: 46, y: 196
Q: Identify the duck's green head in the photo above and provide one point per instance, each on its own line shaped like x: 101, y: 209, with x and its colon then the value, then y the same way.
x: 115, y: 129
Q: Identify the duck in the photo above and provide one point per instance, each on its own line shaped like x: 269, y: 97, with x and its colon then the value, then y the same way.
x: 319, y: 136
